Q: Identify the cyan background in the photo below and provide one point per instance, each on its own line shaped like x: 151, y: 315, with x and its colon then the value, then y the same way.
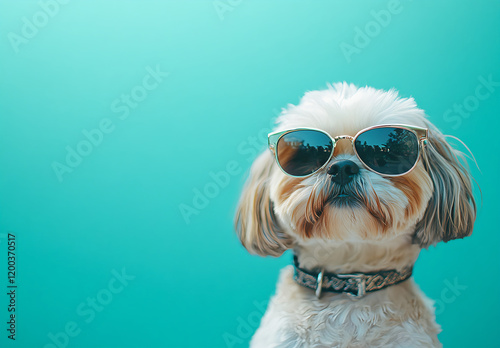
x: 230, y: 74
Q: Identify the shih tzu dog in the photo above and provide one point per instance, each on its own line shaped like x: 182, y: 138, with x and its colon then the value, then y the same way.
x: 356, y: 181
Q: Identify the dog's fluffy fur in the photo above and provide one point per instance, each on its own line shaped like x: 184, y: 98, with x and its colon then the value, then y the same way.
x: 398, y: 216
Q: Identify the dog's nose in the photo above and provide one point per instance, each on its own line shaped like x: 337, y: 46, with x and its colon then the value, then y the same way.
x: 343, y: 171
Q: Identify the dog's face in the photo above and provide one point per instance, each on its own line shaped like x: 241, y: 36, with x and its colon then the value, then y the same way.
x: 432, y: 202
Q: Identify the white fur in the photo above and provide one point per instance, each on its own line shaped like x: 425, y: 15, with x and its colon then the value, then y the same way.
x: 399, y: 316
x: 384, y: 234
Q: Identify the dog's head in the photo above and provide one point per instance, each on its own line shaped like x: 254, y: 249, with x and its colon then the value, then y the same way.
x: 432, y: 202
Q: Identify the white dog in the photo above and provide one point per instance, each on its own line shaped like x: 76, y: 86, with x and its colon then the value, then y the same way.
x: 356, y: 182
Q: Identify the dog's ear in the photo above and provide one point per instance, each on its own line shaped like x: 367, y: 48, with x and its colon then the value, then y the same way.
x: 255, y: 222
x: 451, y: 211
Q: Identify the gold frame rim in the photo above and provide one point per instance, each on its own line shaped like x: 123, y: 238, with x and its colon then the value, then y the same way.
x: 420, y: 133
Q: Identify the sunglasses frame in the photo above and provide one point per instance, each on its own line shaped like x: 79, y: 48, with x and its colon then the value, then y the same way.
x: 420, y: 133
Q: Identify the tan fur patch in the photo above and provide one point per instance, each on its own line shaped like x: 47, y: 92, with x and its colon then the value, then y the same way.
x: 411, y: 188
x: 343, y: 146
x: 288, y: 187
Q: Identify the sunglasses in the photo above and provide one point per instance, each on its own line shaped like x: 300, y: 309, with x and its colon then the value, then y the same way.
x: 388, y: 150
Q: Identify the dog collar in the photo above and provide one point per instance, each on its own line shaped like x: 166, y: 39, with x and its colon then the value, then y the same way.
x: 355, y: 284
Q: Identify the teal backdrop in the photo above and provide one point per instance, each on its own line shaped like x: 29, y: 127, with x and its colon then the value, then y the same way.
x: 127, y: 129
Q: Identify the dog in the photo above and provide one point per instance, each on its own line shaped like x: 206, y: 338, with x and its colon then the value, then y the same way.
x: 356, y: 181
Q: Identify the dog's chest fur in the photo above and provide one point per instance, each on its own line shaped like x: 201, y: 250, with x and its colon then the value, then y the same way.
x: 399, y: 316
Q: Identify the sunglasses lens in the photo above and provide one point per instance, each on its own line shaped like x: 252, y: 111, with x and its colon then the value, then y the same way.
x: 388, y: 150
x: 303, y: 152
